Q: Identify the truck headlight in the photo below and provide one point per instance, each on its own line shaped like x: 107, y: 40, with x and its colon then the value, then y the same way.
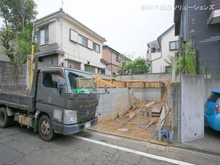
x: 69, y: 117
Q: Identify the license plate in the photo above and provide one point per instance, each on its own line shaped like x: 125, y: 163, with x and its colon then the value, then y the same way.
x: 87, y: 125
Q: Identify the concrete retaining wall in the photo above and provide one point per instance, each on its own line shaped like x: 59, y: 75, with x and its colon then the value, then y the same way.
x: 176, y: 111
x: 188, y: 100
x: 119, y: 98
x: 109, y: 104
x: 153, y: 94
x: 192, y: 107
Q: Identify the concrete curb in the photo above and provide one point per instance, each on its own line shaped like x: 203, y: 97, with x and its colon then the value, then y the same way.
x: 129, y: 137
x: 201, y: 150
x: 179, y: 145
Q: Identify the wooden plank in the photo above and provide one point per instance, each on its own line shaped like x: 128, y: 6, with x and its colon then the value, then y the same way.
x: 136, y: 113
x: 105, y: 82
x: 124, y: 110
x: 150, y: 104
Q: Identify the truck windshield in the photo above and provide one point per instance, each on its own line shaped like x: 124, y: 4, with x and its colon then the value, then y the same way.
x: 78, y: 82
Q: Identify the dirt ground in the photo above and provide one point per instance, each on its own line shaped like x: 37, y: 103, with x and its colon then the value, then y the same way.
x: 137, y: 126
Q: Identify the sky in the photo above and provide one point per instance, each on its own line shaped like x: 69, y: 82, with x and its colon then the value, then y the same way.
x: 127, y: 25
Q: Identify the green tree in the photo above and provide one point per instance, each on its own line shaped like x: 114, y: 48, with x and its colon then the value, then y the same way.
x: 124, y: 59
x: 15, y: 35
x: 138, y: 66
x: 186, y: 61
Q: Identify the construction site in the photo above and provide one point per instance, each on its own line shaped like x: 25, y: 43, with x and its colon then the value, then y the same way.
x: 135, y: 107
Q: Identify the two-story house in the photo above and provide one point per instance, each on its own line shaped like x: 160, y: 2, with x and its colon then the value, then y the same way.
x: 112, y: 59
x: 166, y: 45
x: 73, y: 44
x: 199, y: 21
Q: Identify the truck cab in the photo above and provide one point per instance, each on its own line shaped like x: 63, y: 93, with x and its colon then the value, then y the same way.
x: 69, y: 98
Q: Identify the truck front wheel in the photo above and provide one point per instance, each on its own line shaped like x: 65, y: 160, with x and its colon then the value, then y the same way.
x: 45, y: 128
x: 5, y: 120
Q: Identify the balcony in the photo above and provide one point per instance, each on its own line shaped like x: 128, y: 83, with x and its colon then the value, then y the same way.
x: 213, y: 15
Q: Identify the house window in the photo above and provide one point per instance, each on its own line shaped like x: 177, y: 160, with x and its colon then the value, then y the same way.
x: 82, y: 40
x: 43, y: 36
x: 118, y: 58
x: 167, y: 69
x: 174, y: 45
x: 89, y: 68
x: 96, y: 47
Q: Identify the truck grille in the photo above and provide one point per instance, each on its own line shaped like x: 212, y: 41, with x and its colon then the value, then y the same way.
x: 86, y: 112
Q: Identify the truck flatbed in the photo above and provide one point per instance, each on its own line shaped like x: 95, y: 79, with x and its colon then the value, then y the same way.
x: 18, y: 100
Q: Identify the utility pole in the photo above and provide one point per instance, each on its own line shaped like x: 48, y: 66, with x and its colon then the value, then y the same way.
x: 32, y: 56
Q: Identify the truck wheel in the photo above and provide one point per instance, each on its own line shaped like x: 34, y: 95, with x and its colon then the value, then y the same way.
x: 5, y: 120
x: 45, y: 128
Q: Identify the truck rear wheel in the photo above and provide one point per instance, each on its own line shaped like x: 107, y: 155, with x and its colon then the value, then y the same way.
x: 45, y: 128
x: 5, y: 120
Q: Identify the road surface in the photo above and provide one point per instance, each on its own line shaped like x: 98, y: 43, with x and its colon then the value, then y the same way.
x: 22, y: 146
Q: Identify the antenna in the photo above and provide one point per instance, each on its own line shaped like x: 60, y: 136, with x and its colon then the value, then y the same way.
x: 62, y: 3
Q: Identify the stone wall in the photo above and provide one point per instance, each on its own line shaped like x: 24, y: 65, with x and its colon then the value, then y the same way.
x: 13, y: 79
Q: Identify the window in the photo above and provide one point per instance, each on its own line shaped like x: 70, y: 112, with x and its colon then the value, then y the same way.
x: 82, y: 40
x: 78, y: 82
x: 167, y: 69
x: 174, y: 45
x: 96, y: 47
x: 118, y: 58
x: 214, y: 97
x: 43, y: 36
x: 89, y: 68
x: 50, y: 80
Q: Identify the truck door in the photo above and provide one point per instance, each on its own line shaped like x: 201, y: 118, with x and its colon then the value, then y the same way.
x: 48, y: 94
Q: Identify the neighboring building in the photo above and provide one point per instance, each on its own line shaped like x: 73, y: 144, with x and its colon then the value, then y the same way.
x: 74, y: 45
x: 4, y: 61
x: 112, y: 59
x: 166, y: 45
x: 199, y: 20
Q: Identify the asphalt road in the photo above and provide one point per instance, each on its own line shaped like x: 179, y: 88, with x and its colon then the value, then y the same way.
x: 22, y: 146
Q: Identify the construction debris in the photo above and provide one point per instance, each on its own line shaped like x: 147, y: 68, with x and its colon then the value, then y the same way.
x: 128, y: 107
x: 156, y: 111
x: 123, y: 129
x: 135, y: 114
x: 149, y: 104
x: 144, y: 113
x: 124, y: 110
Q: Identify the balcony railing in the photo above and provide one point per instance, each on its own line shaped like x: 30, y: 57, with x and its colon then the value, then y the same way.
x: 213, y: 12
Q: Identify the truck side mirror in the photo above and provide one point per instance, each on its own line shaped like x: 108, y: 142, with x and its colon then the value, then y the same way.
x: 60, y: 84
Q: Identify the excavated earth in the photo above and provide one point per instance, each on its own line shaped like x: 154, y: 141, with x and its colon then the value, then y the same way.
x: 138, y: 127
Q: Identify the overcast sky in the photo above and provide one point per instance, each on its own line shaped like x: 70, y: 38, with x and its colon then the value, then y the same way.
x: 127, y: 25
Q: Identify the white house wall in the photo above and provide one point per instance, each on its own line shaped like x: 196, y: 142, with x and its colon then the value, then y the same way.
x: 77, y: 52
x: 169, y: 36
x: 155, y: 58
x: 158, y: 66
